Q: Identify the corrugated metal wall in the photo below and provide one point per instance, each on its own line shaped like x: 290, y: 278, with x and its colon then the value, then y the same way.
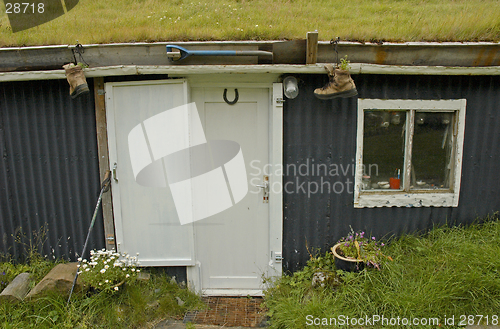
x: 49, y: 173
x: 324, y: 132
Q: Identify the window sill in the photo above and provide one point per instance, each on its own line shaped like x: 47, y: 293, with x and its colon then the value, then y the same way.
x: 403, y: 199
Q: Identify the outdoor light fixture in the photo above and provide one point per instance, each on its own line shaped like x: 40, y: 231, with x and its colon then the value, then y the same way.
x: 291, y: 87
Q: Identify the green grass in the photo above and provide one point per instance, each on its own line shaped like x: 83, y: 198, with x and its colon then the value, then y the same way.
x: 138, y: 305
x: 447, y: 272
x: 97, y: 21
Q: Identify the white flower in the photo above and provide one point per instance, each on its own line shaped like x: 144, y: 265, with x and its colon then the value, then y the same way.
x: 100, y: 284
x: 106, y: 266
x: 79, y: 259
x: 84, y: 260
x: 127, y: 276
x: 116, y: 288
x: 87, y: 269
x: 103, y: 270
x: 133, y: 270
x: 106, y: 281
x: 124, y: 268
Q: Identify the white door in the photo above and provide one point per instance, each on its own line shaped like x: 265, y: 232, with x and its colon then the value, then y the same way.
x: 227, y: 231
x: 146, y: 220
x: 232, y: 248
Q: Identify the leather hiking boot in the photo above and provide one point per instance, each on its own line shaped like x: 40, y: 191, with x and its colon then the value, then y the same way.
x: 340, y: 85
x: 76, y: 79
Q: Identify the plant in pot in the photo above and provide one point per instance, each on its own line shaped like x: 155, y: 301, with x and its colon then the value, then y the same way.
x: 357, y: 250
x: 76, y: 79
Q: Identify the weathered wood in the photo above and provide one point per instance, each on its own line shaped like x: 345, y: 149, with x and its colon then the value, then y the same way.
x: 17, y: 289
x: 471, y: 54
x: 289, y: 52
x: 356, y: 68
x: 102, y: 149
x: 312, y: 47
x: 39, y: 58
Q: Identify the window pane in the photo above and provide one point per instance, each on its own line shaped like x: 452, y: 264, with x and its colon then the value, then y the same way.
x: 383, y: 149
x: 432, y: 161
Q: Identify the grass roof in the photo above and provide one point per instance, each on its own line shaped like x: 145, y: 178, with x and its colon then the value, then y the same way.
x: 99, y: 21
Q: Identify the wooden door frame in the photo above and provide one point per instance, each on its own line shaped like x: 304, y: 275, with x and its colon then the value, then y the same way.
x: 103, y: 154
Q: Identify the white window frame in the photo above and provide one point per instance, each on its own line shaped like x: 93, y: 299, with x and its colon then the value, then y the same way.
x: 413, y: 198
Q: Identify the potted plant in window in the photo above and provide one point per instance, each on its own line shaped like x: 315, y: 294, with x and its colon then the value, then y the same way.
x: 357, y: 250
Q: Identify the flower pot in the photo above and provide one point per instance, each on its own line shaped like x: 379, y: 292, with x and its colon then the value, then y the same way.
x: 346, y: 264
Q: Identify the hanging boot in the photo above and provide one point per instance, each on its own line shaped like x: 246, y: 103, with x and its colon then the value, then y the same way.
x: 76, y: 79
x: 340, y: 85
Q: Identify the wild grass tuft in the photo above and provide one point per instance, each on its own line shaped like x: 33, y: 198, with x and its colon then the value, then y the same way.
x: 96, y: 21
x: 139, y: 305
x: 446, y: 272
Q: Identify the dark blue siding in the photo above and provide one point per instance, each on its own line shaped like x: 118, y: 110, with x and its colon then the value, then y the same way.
x: 49, y: 173
x: 325, y: 131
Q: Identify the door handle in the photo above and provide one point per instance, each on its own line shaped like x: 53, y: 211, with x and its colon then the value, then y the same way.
x: 265, y: 188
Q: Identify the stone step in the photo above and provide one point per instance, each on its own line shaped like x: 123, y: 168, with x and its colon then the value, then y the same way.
x: 17, y: 290
x: 58, y: 280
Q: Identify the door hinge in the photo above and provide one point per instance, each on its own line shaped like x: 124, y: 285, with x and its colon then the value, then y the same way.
x: 279, y: 100
x: 114, y: 172
x: 278, y: 257
x: 110, y: 239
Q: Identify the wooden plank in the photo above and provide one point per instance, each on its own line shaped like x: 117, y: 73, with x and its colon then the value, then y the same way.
x: 312, y: 47
x: 289, y: 52
x: 102, y: 147
x: 356, y: 68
